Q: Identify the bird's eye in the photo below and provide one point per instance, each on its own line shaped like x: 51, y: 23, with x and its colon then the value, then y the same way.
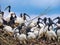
x: 11, y: 14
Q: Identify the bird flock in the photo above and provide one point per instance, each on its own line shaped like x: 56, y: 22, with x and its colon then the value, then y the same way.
x: 44, y: 28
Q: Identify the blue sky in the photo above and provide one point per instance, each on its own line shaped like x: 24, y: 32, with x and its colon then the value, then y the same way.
x: 32, y: 6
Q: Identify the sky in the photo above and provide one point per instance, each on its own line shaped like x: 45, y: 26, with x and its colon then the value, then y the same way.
x: 32, y: 7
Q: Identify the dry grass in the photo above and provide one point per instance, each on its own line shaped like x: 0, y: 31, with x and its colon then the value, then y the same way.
x: 6, y: 39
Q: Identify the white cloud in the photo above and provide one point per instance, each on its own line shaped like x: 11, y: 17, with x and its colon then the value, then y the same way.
x: 50, y: 15
x: 6, y: 13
